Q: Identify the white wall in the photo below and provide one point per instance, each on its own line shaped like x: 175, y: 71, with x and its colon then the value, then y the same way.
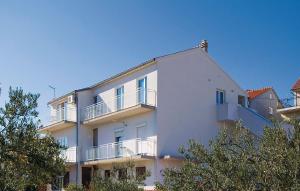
x: 106, y: 132
x: 187, y: 84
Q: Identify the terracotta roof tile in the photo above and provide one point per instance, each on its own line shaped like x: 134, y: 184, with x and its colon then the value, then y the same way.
x: 296, y: 85
x: 254, y: 93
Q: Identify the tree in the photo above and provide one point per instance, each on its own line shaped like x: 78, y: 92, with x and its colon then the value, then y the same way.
x: 27, y: 159
x: 238, y: 160
x: 122, y: 177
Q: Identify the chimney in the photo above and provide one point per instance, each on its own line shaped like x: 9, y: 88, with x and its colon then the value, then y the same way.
x: 204, y: 45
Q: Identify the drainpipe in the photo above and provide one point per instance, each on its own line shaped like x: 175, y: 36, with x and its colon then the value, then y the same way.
x: 77, y: 138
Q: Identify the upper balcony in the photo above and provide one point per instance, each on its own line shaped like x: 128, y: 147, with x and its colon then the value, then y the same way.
x: 141, y: 149
x: 118, y: 107
x: 61, y: 118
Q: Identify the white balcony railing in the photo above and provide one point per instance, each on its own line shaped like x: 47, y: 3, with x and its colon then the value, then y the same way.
x: 68, y: 154
x: 116, y: 103
x: 63, y: 114
x: 126, y: 148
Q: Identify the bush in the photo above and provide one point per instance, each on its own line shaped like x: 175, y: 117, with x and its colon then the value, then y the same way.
x: 74, y: 187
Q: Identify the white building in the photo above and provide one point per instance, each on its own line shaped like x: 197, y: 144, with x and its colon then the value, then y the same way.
x: 146, y: 113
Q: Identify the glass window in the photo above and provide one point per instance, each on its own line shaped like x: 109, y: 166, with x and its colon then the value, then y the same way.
x: 120, y: 98
x: 220, y: 96
x: 140, y: 172
x: 142, y: 90
x: 122, y: 173
x: 106, y: 173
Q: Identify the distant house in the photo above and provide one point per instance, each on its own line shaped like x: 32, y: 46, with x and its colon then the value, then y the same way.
x: 292, y: 104
x: 265, y: 101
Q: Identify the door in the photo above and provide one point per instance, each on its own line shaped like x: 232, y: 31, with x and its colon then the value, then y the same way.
x: 118, y: 143
x: 120, y: 98
x: 142, y: 90
x: 95, y: 144
x: 86, y: 176
x: 66, y: 179
x: 141, y: 139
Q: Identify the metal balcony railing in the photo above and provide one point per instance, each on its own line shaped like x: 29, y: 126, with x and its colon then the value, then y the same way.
x: 126, y: 148
x: 68, y: 154
x: 63, y: 114
x: 290, y: 102
x: 116, y: 103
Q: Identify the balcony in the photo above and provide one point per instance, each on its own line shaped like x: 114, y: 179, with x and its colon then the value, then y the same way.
x: 227, y: 112
x: 61, y: 118
x: 249, y: 118
x: 118, y: 107
x: 291, y: 107
x: 69, y: 154
x: 119, y: 151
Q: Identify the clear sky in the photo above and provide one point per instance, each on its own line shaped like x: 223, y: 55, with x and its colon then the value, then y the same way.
x: 54, y: 42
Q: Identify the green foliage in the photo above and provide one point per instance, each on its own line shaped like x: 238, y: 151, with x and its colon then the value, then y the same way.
x: 26, y: 158
x: 74, y: 187
x: 238, y: 160
x: 116, y: 182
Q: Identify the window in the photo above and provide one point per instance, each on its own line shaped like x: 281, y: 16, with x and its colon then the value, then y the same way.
x: 220, y: 96
x: 271, y: 110
x: 95, y: 137
x: 241, y: 100
x: 140, y: 172
x: 122, y: 173
x: 63, y: 141
x: 95, y: 99
x: 120, y: 98
x: 142, y: 90
x: 106, y: 173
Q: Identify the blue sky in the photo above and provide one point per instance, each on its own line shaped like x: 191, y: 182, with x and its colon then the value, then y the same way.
x: 72, y: 44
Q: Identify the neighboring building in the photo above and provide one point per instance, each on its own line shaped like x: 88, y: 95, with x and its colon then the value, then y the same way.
x: 146, y: 113
x: 292, y: 104
x: 265, y: 101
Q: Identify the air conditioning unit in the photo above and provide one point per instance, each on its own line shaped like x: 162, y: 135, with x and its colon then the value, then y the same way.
x: 71, y: 99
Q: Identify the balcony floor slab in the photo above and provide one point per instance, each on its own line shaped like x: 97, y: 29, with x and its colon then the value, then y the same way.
x: 120, y: 114
x: 119, y: 160
x: 58, y: 126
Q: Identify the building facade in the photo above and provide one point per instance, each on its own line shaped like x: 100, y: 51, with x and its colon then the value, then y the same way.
x: 145, y: 113
x: 265, y: 101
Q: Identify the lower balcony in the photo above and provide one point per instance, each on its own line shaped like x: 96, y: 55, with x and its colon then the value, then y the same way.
x: 119, y: 151
x: 69, y: 154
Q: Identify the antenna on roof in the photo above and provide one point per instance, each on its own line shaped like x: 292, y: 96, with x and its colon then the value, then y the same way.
x: 53, y: 88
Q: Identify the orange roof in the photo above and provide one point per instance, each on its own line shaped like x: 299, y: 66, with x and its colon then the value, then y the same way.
x: 296, y: 85
x: 254, y: 93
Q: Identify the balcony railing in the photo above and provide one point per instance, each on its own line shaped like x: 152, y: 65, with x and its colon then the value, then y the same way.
x: 117, y: 103
x: 290, y: 102
x: 63, y: 114
x: 69, y: 154
x: 128, y: 148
